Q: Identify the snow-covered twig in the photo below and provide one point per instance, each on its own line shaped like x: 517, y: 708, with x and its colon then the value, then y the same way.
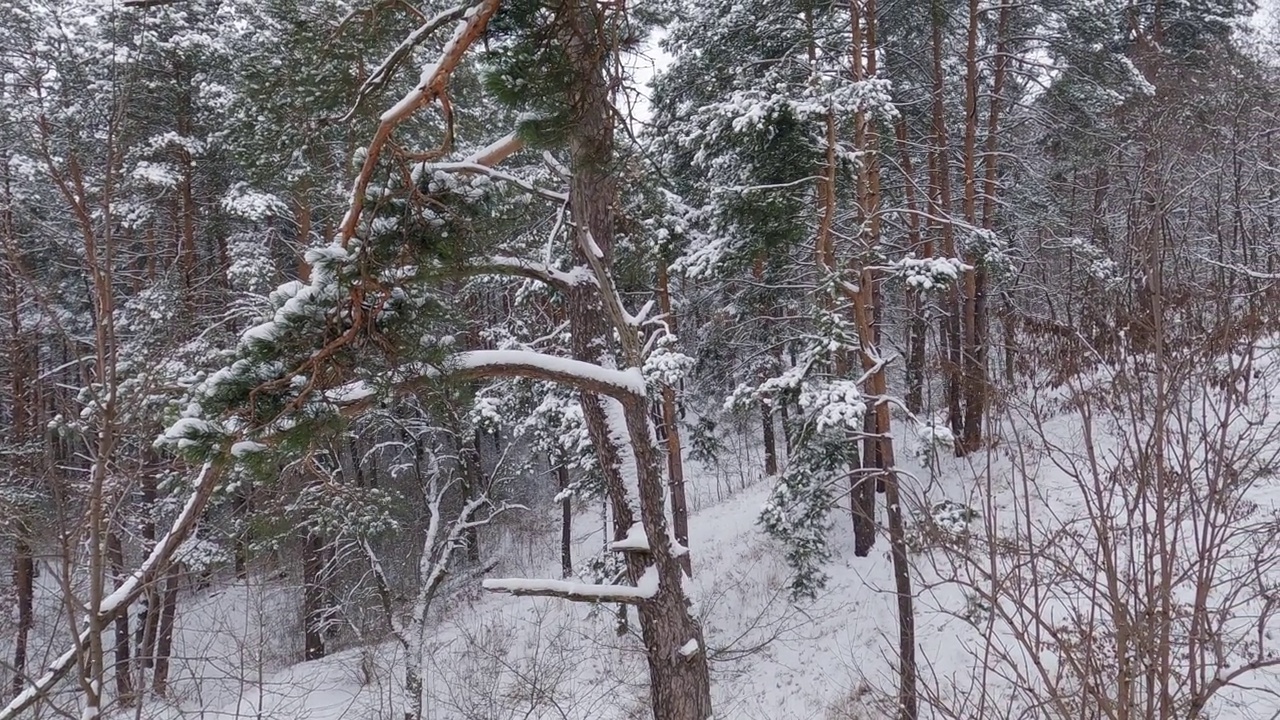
x: 467, y: 166
x: 537, y: 271
x: 1253, y: 274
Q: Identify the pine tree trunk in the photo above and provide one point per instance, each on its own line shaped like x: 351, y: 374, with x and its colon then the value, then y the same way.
x: 770, y: 443
x: 973, y: 356
x: 680, y: 681
x: 164, y: 633
x: 978, y: 385
x: 878, y: 452
x: 680, y: 686
x: 671, y: 431
x: 240, y: 511
x: 24, y: 586
x: 867, y: 191
x: 918, y: 328
x: 786, y: 424
x: 313, y: 611
x: 767, y: 432
x: 473, y: 469
x: 566, y: 523
x: 23, y: 556
x: 148, y: 617
x: 908, y: 703
x: 123, y: 668
x: 940, y: 201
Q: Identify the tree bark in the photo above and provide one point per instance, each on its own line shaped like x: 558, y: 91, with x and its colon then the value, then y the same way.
x: 878, y: 457
x: 918, y: 328
x: 973, y: 356
x: 25, y: 588
x: 770, y: 441
x: 240, y: 511
x: 940, y: 214
x: 164, y: 633
x: 671, y: 431
x: 566, y: 523
x: 473, y: 463
x: 123, y: 668
x: 680, y: 686
x: 24, y: 568
x: 313, y: 610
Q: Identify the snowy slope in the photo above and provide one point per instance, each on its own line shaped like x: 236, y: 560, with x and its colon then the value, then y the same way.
x: 498, y: 657
x: 495, y: 657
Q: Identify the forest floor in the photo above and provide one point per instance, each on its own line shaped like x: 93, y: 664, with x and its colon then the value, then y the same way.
x: 498, y: 657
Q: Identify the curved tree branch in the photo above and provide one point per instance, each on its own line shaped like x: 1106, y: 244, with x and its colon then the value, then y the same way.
x: 434, y: 79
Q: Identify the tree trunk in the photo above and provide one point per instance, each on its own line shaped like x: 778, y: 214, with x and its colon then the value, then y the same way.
x: 148, y: 617
x: 767, y: 432
x: 918, y: 328
x: 313, y: 610
x: 413, y: 681
x: 940, y: 214
x: 908, y: 704
x: 123, y: 668
x: 240, y: 510
x: 680, y: 686
x: 473, y: 469
x: 24, y: 585
x: 566, y: 524
x: 680, y: 682
x: 24, y: 568
x: 671, y: 431
x: 770, y: 441
x: 977, y: 382
x: 878, y: 451
x: 973, y: 356
x: 164, y: 633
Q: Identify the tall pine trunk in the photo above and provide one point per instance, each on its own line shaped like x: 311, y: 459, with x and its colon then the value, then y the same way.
x: 164, y: 632
x: 123, y: 668
x: 940, y: 201
x: 24, y: 568
x: 313, y: 610
x: 878, y: 459
x: 671, y: 430
x: 566, y: 523
x: 918, y: 327
x: 24, y: 575
x: 680, y: 686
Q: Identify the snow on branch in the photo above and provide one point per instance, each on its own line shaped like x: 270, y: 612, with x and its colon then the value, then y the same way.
x: 635, y: 541
x: 1247, y: 272
x: 41, y: 687
x: 502, y: 265
x: 497, y: 151
x: 643, y: 590
x: 467, y: 166
x: 539, y: 366
x: 434, y: 79
x: 355, y: 397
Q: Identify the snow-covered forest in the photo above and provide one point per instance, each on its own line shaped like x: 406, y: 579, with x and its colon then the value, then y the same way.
x: 627, y: 359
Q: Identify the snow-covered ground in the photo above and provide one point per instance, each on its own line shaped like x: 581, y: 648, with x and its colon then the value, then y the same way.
x: 494, y: 657
x: 498, y: 657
